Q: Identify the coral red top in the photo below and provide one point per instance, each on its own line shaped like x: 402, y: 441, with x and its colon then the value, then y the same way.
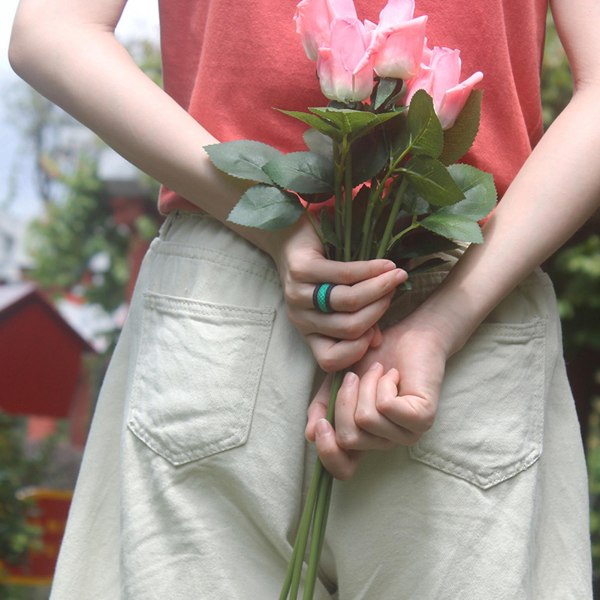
x: 230, y: 63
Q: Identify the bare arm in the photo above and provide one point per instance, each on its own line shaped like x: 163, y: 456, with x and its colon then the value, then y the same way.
x: 555, y: 192
x: 67, y: 50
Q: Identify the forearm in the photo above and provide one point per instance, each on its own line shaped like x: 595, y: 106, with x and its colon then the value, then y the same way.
x: 556, y: 191
x: 78, y: 64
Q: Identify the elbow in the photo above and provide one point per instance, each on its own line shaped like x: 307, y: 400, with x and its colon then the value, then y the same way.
x: 21, y: 48
x: 35, y: 44
x: 16, y: 52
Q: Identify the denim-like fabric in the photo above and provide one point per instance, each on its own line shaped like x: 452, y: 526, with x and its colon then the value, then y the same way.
x: 196, y: 464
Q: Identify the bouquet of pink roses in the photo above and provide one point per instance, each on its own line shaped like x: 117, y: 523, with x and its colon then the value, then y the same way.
x: 385, y: 149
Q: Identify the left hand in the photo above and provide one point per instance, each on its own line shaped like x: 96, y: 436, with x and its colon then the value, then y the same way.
x: 390, y: 399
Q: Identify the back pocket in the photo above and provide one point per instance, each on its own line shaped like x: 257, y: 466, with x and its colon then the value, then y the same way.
x: 197, y: 376
x: 489, y: 425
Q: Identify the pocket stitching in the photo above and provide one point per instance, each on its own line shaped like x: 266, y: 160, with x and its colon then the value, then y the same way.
x: 534, y: 330
x: 260, y: 317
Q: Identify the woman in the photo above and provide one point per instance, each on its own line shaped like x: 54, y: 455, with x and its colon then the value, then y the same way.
x: 195, y: 466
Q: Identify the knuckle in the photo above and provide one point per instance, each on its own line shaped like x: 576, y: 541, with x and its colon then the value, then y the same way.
x: 347, y: 440
x: 425, y: 418
x: 296, y: 270
x: 352, y: 303
x: 346, y: 273
x: 385, y: 404
x: 354, y: 330
x: 364, y: 419
x: 292, y: 295
x: 327, y: 362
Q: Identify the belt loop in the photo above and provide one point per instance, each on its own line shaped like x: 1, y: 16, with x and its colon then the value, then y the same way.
x: 166, y: 226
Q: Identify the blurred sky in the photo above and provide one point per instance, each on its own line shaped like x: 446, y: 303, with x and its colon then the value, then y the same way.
x: 17, y: 194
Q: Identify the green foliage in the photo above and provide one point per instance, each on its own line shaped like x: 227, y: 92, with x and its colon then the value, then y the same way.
x: 302, y: 172
x: 267, y: 207
x: 72, y: 234
x: 18, y: 470
x: 576, y: 269
x: 460, y: 137
x: 390, y: 152
x: 426, y: 135
x: 244, y: 159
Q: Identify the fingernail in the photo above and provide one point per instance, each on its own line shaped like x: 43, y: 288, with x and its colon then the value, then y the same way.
x: 375, y: 365
x: 322, y: 427
x: 349, y: 378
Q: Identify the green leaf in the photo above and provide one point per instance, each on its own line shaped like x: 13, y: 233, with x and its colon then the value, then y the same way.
x: 369, y: 156
x: 315, y: 122
x: 414, y: 204
x: 243, y: 158
x: 397, y: 135
x: 460, y: 137
x: 353, y: 123
x: 385, y: 90
x: 432, y: 181
x: 319, y: 143
x: 453, y: 227
x: 479, y: 191
x: 302, y: 172
x: 427, y: 137
x: 327, y: 228
x: 266, y: 207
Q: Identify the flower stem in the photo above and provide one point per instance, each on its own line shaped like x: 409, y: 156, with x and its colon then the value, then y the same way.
x: 322, y: 502
x: 347, y: 205
x: 318, y: 534
x: 389, y: 227
x: 291, y: 584
x: 338, y: 177
x: 414, y: 225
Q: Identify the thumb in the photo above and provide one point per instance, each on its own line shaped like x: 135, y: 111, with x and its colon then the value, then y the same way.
x: 317, y: 409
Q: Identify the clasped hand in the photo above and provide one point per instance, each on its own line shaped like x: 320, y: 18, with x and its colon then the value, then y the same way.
x: 389, y: 397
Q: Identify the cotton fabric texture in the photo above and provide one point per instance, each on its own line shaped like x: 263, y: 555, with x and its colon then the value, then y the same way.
x: 230, y: 64
x: 196, y: 465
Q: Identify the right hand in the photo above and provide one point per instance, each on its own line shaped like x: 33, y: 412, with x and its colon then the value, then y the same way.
x: 363, y: 292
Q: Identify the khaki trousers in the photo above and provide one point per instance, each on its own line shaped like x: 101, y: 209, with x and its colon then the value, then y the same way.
x: 196, y: 465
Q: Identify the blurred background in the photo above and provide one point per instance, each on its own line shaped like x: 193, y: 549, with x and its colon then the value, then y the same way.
x: 75, y: 222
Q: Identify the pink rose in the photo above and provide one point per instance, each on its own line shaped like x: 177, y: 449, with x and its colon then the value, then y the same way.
x: 314, y: 19
x: 440, y: 78
x: 397, y: 41
x: 340, y: 75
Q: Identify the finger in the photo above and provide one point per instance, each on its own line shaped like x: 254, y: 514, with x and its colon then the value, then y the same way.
x: 375, y: 385
x: 340, y: 463
x: 345, y: 326
x: 348, y: 435
x: 413, y: 413
x: 377, y: 337
x: 336, y: 355
x: 317, y: 409
x: 351, y: 298
x: 321, y: 269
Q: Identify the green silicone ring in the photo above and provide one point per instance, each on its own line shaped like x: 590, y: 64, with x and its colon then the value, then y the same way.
x: 322, y: 295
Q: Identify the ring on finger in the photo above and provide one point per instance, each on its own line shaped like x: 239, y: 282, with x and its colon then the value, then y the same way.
x: 322, y: 297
